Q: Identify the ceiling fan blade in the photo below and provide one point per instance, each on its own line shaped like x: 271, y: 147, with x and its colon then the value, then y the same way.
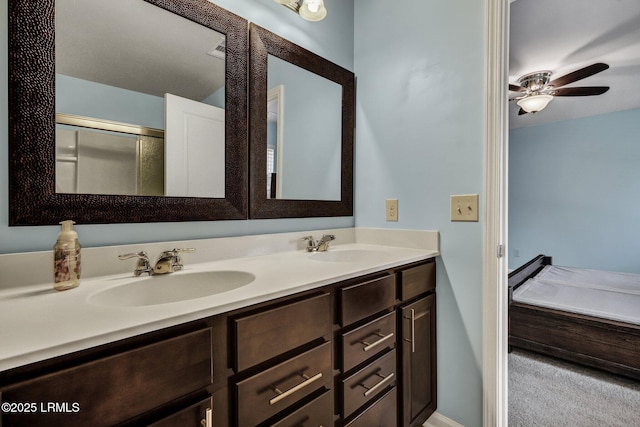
x: 516, y: 88
x: 521, y: 112
x: 581, y: 91
x: 579, y: 74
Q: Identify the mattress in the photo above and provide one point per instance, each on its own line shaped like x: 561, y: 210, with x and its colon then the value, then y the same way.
x: 605, y: 294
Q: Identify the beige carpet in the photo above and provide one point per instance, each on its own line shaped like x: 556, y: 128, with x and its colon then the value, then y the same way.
x: 546, y: 392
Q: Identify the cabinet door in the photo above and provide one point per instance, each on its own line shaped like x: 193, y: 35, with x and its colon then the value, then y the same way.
x: 418, y: 361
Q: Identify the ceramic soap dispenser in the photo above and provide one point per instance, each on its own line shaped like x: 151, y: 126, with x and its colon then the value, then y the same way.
x: 66, y: 258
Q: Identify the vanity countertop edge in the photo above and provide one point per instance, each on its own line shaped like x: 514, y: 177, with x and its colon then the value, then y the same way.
x: 40, y: 323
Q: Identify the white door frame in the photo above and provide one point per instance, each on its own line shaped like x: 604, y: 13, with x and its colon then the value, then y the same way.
x: 494, y: 276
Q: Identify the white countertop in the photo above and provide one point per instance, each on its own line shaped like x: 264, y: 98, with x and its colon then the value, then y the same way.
x: 39, y: 323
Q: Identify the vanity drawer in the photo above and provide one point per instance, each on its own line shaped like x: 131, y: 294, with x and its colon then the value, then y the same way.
x: 114, y: 389
x: 265, y: 394
x: 261, y: 336
x: 417, y: 280
x: 365, y: 299
x: 193, y: 415
x: 367, y: 383
x: 368, y: 340
x: 383, y: 413
x: 318, y: 412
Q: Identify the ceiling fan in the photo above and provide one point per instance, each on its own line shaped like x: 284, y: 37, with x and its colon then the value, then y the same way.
x: 538, y: 89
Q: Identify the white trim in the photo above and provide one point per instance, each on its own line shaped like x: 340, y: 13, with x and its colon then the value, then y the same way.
x: 439, y: 420
x: 494, y: 302
x: 278, y: 93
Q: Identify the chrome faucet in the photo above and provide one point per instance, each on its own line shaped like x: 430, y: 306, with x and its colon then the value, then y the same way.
x: 320, y: 245
x: 168, y: 262
x: 143, y: 265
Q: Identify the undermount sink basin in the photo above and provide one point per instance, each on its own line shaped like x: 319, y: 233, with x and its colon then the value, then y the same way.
x: 350, y: 255
x: 174, y: 287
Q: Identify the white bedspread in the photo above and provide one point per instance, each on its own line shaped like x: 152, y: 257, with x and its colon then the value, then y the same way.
x: 605, y: 294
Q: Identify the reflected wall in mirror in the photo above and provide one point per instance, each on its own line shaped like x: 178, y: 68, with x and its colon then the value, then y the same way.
x: 307, y: 133
x: 301, y: 131
x: 90, y: 69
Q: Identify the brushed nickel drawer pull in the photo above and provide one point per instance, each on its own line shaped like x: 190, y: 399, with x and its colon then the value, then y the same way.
x: 413, y: 330
x: 208, y: 418
x: 369, y: 346
x: 378, y: 385
x: 283, y: 394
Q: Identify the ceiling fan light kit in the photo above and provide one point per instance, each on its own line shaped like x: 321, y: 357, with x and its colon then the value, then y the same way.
x: 537, y: 89
x: 534, y: 103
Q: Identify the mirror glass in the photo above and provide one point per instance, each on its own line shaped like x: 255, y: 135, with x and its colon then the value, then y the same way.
x: 117, y: 64
x: 105, y: 79
x: 302, y: 108
x: 304, y: 133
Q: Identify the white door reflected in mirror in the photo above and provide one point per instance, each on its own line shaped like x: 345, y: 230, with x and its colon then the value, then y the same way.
x: 194, y: 148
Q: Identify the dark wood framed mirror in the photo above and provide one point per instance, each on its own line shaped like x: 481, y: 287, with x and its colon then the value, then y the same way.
x: 33, y: 196
x: 301, y: 155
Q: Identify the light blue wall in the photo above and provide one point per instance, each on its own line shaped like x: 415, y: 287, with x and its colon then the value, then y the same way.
x: 331, y: 38
x: 418, y: 138
x: 419, y: 129
x: 574, y: 192
x: 311, y: 134
x: 90, y: 99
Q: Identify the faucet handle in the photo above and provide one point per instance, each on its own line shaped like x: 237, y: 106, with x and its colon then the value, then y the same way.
x: 142, y: 265
x: 311, y: 243
x: 175, y: 259
x: 185, y: 250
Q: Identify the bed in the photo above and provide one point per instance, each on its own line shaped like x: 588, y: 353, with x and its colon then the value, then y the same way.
x: 585, y: 316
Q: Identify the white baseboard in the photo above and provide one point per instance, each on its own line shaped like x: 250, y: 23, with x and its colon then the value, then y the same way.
x: 439, y: 420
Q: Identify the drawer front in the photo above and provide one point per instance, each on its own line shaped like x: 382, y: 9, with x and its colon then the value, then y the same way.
x: 193, y: 416
x: 368, y: 340
x: 367, y: 383
x: 417, y: 280
x: 111, y: 390
x: 265, y: 394
x: 264, y: 335
x: 383, y: 413
x: 365, y: 299
x: 318, y: 412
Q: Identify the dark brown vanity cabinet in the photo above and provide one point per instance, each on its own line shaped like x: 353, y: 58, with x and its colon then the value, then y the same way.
x: 356, y: 353
x: 284, y: 365
x: 368, y: 361
x: 418, y: 352
x: 162, y: 384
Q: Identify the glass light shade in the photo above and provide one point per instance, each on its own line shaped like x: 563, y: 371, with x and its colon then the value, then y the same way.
x: 534, y: 103
x: 312, y: 10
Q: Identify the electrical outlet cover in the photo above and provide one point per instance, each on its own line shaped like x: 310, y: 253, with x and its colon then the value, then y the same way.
x: 392, y: 209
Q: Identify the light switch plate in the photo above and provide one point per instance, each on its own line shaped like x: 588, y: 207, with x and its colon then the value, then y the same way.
x: 392, y: 209
x: 464, y: 207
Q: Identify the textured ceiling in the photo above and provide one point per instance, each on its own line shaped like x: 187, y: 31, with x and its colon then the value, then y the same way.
x: 563, y: 36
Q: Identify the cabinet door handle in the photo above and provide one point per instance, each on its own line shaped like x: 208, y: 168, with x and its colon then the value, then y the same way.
x: 283, y: 394
x: 208, y: 418
x: 369, y: 346
x: 378, y: 385
x: 413, y: 330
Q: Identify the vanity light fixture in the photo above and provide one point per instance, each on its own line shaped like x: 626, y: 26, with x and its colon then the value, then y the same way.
x: 310, y: 10
x: 535, y: 103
